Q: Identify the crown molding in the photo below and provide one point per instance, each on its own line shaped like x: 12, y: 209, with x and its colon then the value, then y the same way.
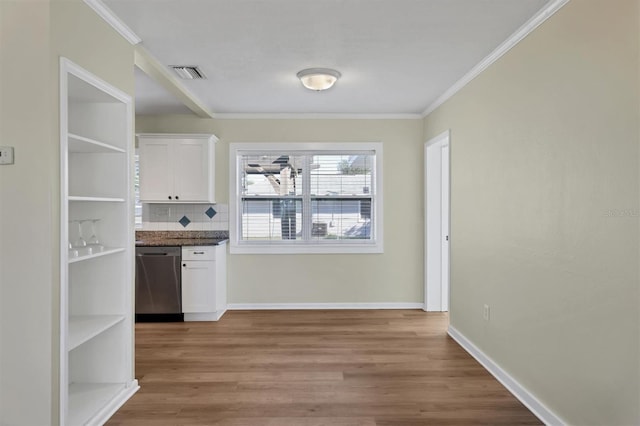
x: 545, y: 13
x: 110, y: 18
x: 195, y: 105
x: 315, y: 116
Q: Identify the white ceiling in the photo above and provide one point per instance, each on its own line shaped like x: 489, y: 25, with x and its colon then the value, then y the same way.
x: 395, y: 56
x: 152, y: 98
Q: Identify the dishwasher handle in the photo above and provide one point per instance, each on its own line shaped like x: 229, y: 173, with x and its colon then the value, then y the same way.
x: 169, y: 251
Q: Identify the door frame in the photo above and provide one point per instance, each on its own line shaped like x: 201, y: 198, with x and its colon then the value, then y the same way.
x: 436, y: 291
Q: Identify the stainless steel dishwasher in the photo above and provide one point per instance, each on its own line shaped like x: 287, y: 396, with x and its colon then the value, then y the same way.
x: 158, y: 284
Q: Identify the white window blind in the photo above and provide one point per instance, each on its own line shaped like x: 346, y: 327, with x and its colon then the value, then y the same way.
x: 271, y: 196
x: 295, y: 198
x: 136, y: 185
x: 341, y: 196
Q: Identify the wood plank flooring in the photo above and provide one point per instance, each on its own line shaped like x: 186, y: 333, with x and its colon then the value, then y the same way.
x: 313, y: 368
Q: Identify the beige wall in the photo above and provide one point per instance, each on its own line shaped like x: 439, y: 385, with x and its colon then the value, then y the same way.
x: 395, y: 276
x: 26, y: 215
x: 33, y: 35
x: 545, y: 209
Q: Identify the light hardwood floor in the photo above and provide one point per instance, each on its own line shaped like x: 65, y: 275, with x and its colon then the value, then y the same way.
x: 313, y: 368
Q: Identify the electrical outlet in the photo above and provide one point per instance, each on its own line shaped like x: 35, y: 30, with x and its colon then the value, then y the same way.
x: 6, y: 155
x: 485, y: 312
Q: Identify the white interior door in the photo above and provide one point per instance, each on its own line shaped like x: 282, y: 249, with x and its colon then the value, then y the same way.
x: 437, y: 223
x: 444, y: 229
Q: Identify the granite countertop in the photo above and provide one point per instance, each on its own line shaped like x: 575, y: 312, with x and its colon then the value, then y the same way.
x: 180, y: 238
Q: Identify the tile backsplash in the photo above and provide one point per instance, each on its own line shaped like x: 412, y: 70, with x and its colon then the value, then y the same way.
x: 189, y: 217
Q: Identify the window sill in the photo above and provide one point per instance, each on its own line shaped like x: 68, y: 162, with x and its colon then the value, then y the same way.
x: 236, y: 248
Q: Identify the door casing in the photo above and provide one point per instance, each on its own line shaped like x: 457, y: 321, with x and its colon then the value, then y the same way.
x: 437, y: 230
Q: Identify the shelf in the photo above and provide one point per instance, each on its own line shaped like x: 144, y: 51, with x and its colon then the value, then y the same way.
x: 80, y: 144
x: 98, y: 199
x: 107, y: 251
x: 88, y: 399
x: 85, y: 327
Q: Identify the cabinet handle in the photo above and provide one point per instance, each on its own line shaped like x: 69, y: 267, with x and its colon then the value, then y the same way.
x: 169, y: 196
x: 177, y: 198
x: 184, y: 264
x: 198, y: 252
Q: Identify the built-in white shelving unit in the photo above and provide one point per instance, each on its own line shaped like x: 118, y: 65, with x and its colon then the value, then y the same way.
x: 102, y: 199
x: 107, y: 251
x: 88, y: 399
x: 96, y: 294
x: 84, y: 327
x: 81, y: 144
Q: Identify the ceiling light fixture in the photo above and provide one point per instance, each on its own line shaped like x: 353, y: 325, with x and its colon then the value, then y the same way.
x: 318, y: 78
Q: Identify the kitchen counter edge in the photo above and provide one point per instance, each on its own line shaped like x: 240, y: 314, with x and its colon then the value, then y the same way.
x: 182, y: 242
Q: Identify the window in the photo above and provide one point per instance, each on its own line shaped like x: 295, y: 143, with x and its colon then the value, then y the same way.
x: 306, y: 198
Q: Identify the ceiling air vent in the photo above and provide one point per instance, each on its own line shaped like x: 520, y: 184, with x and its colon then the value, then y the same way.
x: 188, y: 72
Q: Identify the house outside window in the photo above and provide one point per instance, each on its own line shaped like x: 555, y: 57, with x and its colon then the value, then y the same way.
x: 306, y: 198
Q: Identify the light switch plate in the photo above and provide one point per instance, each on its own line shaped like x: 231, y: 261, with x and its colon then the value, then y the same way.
x: 6, y: 155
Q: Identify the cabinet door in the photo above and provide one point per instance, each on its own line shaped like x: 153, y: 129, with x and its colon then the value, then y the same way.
x: 156, y: 170
x: 198, y: 286
x: 192, y: 170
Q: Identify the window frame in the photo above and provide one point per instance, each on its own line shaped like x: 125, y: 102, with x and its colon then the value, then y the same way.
x: 374, y: 245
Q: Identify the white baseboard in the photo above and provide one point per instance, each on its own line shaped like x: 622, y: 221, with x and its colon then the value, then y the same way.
x: 220, y: 313
x: 327, y: 306
x: 512, y: 385
x: 114, y: 405
x: 204, y: 316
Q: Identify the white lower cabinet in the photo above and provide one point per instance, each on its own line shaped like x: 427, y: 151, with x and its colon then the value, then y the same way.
x: 198, y: 286
x: 204, y: 282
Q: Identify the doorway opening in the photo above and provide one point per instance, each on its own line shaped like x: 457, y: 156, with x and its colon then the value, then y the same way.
x: 437, y: 213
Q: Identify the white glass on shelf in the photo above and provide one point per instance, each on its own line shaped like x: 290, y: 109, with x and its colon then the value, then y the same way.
x: 73, y: 253
x: 79, y: 242
x: 93, y: 240
x: 84, y: 248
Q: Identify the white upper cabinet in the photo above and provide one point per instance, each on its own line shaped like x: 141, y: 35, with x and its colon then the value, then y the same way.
x: 156, y: 169
x: 177, y: 168
x: 193, y: 170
